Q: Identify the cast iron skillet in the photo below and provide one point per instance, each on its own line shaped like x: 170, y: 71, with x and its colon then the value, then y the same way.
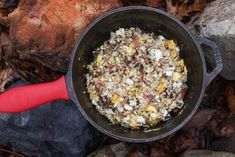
x: 73, y: 85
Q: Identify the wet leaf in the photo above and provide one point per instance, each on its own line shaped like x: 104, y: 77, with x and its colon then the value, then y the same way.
x: 8, y: 3
x: 184, y: 140
x: 183, y: 9
x: 230, y: 93
x: 157, y: 150
x: 4, y: 20
x: 200, y: 118
x: 6, y: 75
x: 226, y: 128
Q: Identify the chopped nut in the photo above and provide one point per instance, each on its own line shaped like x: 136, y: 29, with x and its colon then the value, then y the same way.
x: 129, y: 81
x: 128, y: 108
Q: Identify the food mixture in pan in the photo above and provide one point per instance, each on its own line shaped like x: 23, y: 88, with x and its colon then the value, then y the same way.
x: 137, y: 79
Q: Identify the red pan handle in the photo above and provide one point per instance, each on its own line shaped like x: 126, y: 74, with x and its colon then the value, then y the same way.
x: 27, y: 97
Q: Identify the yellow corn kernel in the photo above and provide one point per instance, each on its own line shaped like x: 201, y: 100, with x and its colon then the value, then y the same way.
x: 143, y: 90
x: 185, y: 70
x: 171, y: 44
x: 176, y: 76
x: 94, y: 96
x: 153, y: 122
x: 90, y: 68
x: 131, y: 45
x: 133, y: 122
x: 174, y: 54
x: 181, y: 63
x: 142, y: 39
x: 133, y: 93
x: 99, y: 60
x: 112, y: 60
x: 161, y: 87
x: 150, y: 108
x: 133, y: 51
x: 116, y: 98
x: 118, y: 118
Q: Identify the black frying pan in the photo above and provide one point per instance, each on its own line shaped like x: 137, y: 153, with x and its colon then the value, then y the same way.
x: 73, y: 85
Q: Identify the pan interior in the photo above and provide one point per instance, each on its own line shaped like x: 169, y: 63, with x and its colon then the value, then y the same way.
x: 149, y: 21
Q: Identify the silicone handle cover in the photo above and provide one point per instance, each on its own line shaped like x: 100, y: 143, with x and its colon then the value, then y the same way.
x: 27, y: 97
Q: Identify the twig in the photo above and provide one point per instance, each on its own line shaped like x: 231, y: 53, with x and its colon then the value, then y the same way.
x: 10, y: 152
x: 41, y: 140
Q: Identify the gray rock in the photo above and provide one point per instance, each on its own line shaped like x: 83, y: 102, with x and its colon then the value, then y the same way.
x: 205, y: 153
x: 56, y: 129
x: 217, y: 22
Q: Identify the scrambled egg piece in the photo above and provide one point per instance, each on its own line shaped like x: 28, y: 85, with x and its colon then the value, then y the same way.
x: 112, y: 60
x: 181, y: 63
x: 171, y: 44
x: 94, y: 96
x: 142, y: 39
x: 176, y: 76
x: 161, y: 86
x: 174, y: 54
x: 99, y: 60
x: 151, y: 108
x: 133, y: 122
x: 185, y: 70
x: 116, y: 98
x: 90, y: 68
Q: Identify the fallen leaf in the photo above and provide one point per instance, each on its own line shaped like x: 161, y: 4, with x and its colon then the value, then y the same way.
x: 184, y: 140
x: 4, y: 20
x: 157, y: 150
x: 202, y: 116
x: 230, y: 93
x: 8, y: 3
x: 135, y: 153
x: 183, y: 9
x: 154, y: 3
x: 6, y: 75
x: 226, y: 128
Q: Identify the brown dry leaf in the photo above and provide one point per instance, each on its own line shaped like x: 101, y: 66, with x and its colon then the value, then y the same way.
x: 8, y: 3
x: 230, y: 93
x: 6, y: 75
x: 226, y: 128
x: 154, y: 3
x: 184, y: 140
x: 157, y: 150
x: 202, y: 116
x: 183, y: 9
x: 4, y: 20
